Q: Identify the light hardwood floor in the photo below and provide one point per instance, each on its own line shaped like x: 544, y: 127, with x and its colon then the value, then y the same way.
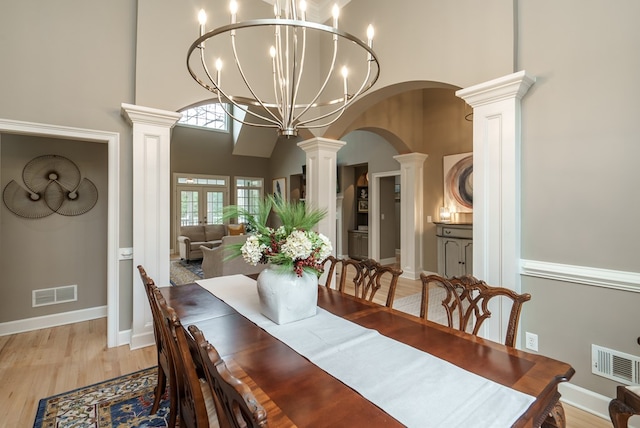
x: 46, y: 362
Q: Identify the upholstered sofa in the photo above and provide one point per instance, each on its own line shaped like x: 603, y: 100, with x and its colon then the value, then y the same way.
x: 191, y: 238
x: 215, y: 262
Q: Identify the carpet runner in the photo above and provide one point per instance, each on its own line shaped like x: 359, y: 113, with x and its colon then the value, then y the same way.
x: 123, y: 402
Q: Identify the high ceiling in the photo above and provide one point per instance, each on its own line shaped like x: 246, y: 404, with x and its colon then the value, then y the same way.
x: 318, y: 10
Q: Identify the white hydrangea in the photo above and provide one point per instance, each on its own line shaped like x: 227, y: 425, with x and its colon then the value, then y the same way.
x: 252, y: 250
x: 297, y: 246
x: 325, y: 249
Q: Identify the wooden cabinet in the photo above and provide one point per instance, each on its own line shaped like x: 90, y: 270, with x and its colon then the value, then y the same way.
x: 455, y: 249
x: 358, y: 244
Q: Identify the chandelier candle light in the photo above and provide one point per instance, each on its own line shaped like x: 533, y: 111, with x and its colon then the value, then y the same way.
x: 296, y: 100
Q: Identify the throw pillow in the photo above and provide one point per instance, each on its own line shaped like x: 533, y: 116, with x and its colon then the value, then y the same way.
x: 236, y: 229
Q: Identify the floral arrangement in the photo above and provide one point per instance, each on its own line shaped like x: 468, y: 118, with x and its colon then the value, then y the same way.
x: 292, y: 245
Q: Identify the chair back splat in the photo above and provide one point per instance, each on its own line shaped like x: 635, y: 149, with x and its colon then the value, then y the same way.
x: 466, y: 303
x: 165, y: 363
x: 234, y: 398
x: 330, y: 264
x: 369, y: 276
x: 192, y: 408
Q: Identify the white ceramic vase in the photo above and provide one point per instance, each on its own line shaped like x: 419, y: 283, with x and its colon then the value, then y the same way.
x: 286, y: 297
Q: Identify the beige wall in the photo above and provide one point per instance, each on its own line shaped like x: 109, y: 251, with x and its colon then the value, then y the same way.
x: 56, y: 250
x: 579, y: 174
x: 72, y: 63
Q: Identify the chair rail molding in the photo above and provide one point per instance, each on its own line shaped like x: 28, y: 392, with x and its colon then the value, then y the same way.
x: 606, y: 278
x: 151, y: 208
x: 496, y: 193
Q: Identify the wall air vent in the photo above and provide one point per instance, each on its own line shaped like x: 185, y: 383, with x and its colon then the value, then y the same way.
x: 615, y: 365
x: 52, y: 296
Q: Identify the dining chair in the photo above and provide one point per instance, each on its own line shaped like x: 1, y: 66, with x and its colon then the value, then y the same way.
x: 369, y: 276
x: 196, y: 408
x: 234, y: 398
x: 165, y: 371
x: 330, y: 264
x: 625, y: 405
x: 466, y: 303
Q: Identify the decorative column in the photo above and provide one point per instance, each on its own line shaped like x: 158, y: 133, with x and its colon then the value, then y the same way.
x: 496, y: 191
x: 322, y: 154
x: 411, y: 213
x: 151, y: 208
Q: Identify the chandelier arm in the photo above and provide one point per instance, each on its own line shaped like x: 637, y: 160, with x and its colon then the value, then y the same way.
x: 338, y: 110
x: 286, y: 82
x: 364, y: 82
x: 298, y: 76
x: 322, y: 125
x: 324, y: 84
x: 246, y: 82
x: 247, y: 111
x: 347, y: 100
x: 277, y: 76
x: 217, y: 91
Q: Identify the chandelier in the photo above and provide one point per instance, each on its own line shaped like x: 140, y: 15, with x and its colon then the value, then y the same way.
x: 287, y: 65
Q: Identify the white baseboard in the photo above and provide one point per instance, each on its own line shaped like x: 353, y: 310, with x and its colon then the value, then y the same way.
x: 387, y: 261
x: 54, y: 320
x: 124, y: 337
x: 142, y: 340
x: 589, y: 401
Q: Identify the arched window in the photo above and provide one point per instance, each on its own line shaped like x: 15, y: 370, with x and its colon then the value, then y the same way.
x: 210, y: 116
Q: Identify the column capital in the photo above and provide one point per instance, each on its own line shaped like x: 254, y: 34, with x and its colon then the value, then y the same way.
x: 321, y: 143
x: 150, y: 116
x: 411, y: 158
x: 511, y: 86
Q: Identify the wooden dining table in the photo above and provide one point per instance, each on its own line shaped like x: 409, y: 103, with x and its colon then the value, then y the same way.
x: 296, y: 392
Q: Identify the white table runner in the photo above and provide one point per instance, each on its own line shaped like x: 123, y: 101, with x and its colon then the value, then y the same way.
x: 414, y: 387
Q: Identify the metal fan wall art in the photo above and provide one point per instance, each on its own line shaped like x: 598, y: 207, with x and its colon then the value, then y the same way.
x: 53, y: 185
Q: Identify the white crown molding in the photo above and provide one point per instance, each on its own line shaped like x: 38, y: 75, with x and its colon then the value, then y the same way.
x: 606, y: 278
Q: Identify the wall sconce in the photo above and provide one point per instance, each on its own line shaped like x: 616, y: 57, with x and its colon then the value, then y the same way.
x: 445, y: 215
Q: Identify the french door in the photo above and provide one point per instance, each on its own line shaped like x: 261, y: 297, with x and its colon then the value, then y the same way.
x: 201, y: 205
x: 198, y: 199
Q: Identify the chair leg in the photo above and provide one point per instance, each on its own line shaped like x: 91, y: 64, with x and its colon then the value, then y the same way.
x: 173, y: 405
x: 620, y: 413
x: 556, y: 418
x: 159, y: 391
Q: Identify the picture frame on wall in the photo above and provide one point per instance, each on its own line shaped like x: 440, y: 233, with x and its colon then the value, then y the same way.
x: 363, y: 206
x: 458, y: 182
x: 279, y: 188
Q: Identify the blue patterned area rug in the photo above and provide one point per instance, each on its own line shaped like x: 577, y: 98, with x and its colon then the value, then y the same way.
x: 123, y: 402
